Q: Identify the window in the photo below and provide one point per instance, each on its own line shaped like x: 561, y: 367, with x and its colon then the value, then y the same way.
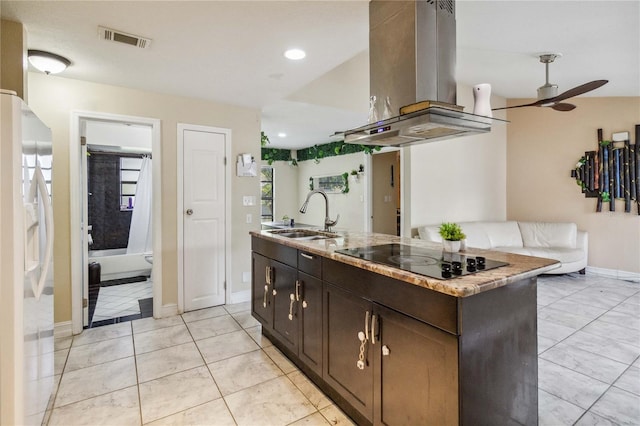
x: 129, y: 173
x: 266, y: 193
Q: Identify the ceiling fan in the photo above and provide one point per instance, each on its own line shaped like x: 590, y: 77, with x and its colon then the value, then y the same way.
x: 548, y: 93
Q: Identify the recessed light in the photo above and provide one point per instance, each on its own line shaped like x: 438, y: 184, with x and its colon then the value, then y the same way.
x: 295, y: 54
x: 282, y: 135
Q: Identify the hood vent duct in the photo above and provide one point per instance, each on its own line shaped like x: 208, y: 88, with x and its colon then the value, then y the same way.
x: 412, y: 59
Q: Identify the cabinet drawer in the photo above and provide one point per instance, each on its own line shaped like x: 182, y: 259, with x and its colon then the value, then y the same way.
x: 284, y: 254
x: 431, y: 307
x: 310, y: 263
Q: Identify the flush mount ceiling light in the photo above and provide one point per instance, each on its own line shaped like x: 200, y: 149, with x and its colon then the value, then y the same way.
x: 48, y: 63
x: 282, y: 135
x: 295, y: 54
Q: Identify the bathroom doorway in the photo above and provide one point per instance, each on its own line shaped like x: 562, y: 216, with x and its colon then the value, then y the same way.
x: 118, y: 220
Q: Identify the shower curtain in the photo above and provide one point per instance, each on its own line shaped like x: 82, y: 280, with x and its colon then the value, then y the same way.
x: 140, y: 232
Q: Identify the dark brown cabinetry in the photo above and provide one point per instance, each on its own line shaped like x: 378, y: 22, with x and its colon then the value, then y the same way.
x: 288, y: 301
x: 390, y: 352
x: 393, y: 369
x: 310, y: 350
x: 261, y: 290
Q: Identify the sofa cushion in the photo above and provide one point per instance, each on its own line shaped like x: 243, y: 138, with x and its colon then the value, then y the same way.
x: 502, y: 234
x: 547, y: 234
x: 564, y: 255
x: 483, y: 235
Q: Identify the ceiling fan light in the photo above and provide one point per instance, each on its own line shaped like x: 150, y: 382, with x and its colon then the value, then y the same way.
x: 48, y: 63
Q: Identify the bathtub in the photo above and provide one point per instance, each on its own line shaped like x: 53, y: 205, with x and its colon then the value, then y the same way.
x: 116, y: 264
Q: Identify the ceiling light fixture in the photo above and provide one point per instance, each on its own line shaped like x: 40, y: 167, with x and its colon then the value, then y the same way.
x: 295, y: 54
x: 48, y: 63
x: 282, y: 135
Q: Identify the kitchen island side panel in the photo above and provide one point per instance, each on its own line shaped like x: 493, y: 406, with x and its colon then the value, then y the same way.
x: 498, y: 352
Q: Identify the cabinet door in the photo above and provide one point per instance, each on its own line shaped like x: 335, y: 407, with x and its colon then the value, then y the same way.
x: 285, y: 307
x: 261, y: 298
x: 310, y: 350
x: 416, y: 377
x: 345, y: 315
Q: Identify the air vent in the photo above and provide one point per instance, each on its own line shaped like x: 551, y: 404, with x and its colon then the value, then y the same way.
x: 122, y: 37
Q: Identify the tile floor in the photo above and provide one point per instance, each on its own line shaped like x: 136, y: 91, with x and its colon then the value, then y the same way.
x: 118, y: 301
x: 213, y: 366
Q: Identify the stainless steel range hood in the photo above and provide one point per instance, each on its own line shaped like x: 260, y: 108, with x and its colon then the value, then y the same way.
x: 412, y: 52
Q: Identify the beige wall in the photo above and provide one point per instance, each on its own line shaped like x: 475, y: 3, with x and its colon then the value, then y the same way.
x: 350, y: 206
x: 53, y: 99
x: 286, y: 190
x: 461, y: 179
x: 544, y: 146
x: 385, y: 198
x: 13, y: 66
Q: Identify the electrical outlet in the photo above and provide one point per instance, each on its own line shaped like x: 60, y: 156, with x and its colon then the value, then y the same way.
x: 249, y: 200
x: 249, y: 218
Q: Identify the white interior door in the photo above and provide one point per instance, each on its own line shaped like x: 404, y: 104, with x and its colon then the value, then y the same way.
x: 203, y: 218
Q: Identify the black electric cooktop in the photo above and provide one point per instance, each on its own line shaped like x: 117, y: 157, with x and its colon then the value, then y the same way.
x: 423, y: 261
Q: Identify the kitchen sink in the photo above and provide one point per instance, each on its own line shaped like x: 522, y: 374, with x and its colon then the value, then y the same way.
x: 304, y: 234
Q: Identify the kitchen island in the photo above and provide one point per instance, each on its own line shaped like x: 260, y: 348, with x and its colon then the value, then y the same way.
x: 391, y: 346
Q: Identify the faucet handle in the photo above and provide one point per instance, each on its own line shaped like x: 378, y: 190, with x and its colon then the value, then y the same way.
x: 328, y: 223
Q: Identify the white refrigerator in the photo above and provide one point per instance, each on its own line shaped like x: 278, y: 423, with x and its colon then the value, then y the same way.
x: 26, y: 259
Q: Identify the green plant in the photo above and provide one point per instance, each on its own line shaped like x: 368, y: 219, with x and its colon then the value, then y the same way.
x: 264, y: 139
x: 345, y: 177
x: 354, y: 172
x: 451, y: 232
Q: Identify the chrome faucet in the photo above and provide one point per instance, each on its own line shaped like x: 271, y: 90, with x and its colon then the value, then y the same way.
x: 328, y: 223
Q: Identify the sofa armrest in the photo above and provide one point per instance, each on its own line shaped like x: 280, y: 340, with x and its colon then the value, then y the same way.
x: 582, y: 241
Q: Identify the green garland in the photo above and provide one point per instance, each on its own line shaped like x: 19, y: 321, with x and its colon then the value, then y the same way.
x: 316, y: 152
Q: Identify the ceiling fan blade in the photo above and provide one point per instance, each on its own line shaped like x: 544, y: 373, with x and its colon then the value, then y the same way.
x: 579, y: 90
x: 563, y: 107
x: 517, y: 106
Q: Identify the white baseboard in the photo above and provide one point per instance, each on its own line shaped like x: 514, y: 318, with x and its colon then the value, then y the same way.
x: 62, y: 329
x: 614, y: 273
x: 241, y: 296
x: 168, y: 310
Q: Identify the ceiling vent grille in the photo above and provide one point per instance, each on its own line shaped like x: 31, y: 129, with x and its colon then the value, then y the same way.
x: 122, y: 37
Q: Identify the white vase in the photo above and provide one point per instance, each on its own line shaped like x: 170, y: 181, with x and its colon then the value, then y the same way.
x: 482, y: 100
x: 451, y: 246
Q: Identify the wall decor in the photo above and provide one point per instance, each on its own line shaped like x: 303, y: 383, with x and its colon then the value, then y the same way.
x: 612, y: 172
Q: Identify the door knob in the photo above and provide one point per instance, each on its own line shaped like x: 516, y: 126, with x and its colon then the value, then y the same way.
x: 189, y: 212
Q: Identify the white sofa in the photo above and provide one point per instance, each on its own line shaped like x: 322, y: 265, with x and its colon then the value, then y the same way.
x: 559, y: 241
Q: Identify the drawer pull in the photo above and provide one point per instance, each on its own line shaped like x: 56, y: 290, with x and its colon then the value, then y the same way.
x: 363, y: 341
x: 306, y: 256
x: 373, y: 329
x: 292, y: 299
x: 264, y: 300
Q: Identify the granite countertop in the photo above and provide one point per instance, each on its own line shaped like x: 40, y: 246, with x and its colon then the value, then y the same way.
x: 520, y: 267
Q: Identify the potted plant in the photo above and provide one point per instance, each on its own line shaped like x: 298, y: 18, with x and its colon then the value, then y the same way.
x: 452, y: 236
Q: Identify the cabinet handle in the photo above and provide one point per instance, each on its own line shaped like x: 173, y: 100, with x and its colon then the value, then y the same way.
x: 297, y: 290
x: 306, y: 256
x: 264, y: 299
x: 373, y: 329
x: 292, y: 299
x: 304, y: 304
x: 267, y: 274
x: 274, y: 292
x: 366, y: 325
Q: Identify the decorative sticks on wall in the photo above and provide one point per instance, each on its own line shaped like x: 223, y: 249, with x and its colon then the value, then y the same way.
x: 612, y: 172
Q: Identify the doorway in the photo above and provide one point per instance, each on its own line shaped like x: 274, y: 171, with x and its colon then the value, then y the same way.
x: 203, y: 216
x: 115, y: 216
x: 386, y: 194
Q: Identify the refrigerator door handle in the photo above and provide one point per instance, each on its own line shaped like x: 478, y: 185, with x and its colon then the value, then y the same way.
x: 38, y: 183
